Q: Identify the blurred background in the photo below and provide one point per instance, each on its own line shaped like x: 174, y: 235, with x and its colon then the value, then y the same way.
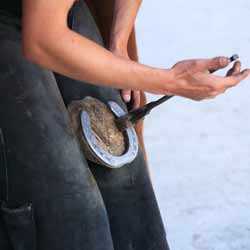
x: 199, y: 152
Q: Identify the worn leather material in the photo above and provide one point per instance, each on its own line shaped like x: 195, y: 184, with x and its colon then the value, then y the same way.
x: 12, y: 6
x: 20, y: 226
x: 75, y: 204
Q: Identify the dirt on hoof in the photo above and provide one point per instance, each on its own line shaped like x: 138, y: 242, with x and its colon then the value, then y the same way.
x: 103, y: 125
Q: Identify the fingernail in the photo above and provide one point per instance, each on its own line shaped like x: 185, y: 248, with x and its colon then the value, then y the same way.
x: 127, y: 98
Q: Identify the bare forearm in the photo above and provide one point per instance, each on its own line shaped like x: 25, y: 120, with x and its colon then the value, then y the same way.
x: 72, y: 55
x: 125, y: 13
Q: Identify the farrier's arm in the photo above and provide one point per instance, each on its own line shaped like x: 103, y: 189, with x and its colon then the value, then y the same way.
x: 125, y: 12
x: 47, y: 41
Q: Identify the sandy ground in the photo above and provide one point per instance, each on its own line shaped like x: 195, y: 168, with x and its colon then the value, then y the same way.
x: 199, y: 152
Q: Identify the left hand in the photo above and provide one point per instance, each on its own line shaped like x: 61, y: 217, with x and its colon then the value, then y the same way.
x: 128, y: 95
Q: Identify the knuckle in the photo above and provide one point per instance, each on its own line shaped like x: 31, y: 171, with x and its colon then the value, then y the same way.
x: 194, y: 63
x: 222, y: 61
x: 217, y: 60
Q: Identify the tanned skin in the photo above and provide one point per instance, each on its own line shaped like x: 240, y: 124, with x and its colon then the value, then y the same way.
x: 48, y: 42
x: 125, y: 12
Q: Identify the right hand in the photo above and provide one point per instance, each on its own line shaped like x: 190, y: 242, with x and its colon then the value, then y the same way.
x: 192, y: 78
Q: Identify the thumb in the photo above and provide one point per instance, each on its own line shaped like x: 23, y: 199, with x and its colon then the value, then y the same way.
x: 215, y: 64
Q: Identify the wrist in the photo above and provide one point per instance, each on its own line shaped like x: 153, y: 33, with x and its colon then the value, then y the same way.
x: 119, y: 51
x: 157, y: 81
x: 166, y: 83
x: 118, y: 44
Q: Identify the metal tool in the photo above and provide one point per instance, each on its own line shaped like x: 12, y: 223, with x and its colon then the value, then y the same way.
x: 234, y: 57
x: 134, y: 116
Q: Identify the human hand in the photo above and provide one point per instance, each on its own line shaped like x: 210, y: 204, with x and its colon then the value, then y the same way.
x: 192, y: 78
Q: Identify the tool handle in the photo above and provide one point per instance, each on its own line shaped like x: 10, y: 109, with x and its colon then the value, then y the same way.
x: 134, y: 116
x: 154, y: 104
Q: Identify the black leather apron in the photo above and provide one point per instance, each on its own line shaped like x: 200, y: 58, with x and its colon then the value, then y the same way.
x: 51, y: 197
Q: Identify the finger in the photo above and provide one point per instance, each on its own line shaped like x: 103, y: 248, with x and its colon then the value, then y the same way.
x: 218, y: 83
x: 214, y: 64
x: 237, y: 78
x: 136, y: 99
x: 126, y: 95
x: 235, y: 69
